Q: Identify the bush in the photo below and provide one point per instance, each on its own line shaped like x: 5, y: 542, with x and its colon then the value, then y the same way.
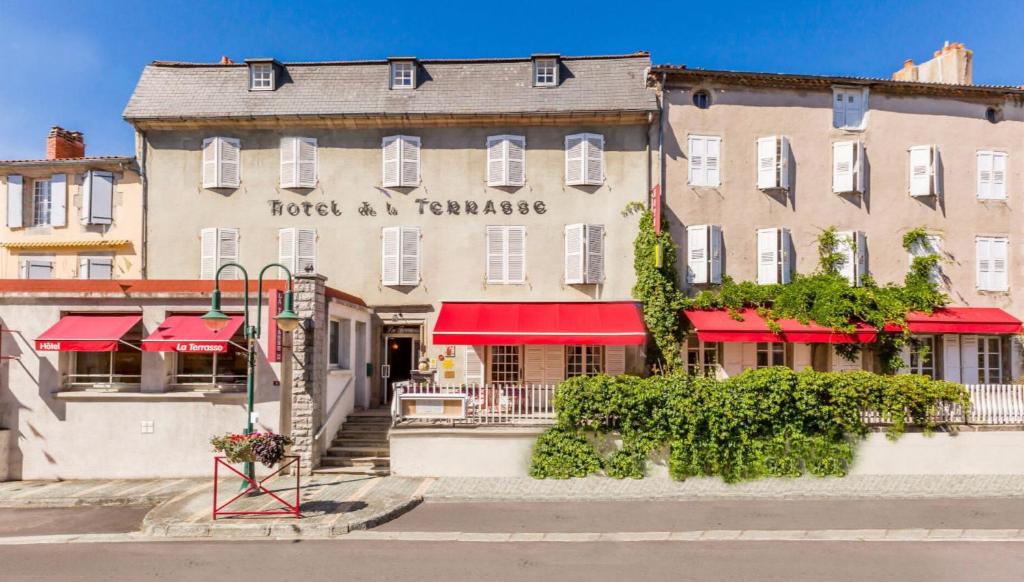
x: 768, y: 422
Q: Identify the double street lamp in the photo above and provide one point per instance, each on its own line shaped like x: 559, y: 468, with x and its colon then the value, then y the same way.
x: 216, y: 320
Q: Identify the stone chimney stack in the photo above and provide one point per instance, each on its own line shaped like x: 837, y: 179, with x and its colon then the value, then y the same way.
x: 62, y: 144
x: 951, y: 65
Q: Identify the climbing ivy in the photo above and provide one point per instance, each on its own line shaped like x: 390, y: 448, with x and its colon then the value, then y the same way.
x: 767, y: 422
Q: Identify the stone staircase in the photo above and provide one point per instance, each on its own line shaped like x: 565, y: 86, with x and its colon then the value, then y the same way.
x: 361, y: 446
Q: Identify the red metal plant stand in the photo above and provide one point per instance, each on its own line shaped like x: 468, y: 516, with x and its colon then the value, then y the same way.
x: 254, y: 485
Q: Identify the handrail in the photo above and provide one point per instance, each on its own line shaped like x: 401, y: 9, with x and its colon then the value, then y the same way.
x: 334, y: 406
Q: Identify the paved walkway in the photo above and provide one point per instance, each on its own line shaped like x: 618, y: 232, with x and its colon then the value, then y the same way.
x: 93, y: 492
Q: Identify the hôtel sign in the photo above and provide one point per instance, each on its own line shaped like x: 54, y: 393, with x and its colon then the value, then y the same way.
x: 423, y: 206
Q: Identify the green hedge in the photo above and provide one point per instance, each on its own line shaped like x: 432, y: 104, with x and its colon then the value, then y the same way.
x: 768, y: 422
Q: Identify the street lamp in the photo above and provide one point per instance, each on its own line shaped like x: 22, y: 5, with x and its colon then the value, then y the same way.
x: 216, y: 320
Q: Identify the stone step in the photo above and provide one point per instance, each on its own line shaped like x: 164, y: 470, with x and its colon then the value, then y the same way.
x: 358, y: 452
x: 377, y: 445
x: 367, y: 471
x: 368, y: 421
x: 362, y: 427
x: 375, y: 462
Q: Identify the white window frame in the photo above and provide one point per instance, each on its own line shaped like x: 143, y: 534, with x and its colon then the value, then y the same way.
x: 402, y: 74
x: 584, y: 360
x: 26, y: 263
x: 587, y: 159
x: 290, y: 252
x: 72, y: 378
x: 400, y: 160
x: 42, y: 202
x: 585, y: 256
x: 215, y: 178
x: 340, y: 353
x: 218, y: 256
x: 843, y: 123
x: 408, y: 269
x: 504, y: 160
x: 698, y: 172
x: 915, y: 363
x: 991, y: 183
x: 934, y: 243
x: 772, y: 351
x: 987, y: 280
x: 700, y: 351
x: 511, y: 368
x: 261, y: 77
x: 545, y: 72
x: 503, y: 278
x: 781, y: 256
x: 704, y: 268
x: 85, y: 266
x: 920, y: 176
x: 988, y: 374
x: 292, y: 162
x: 778, y: 164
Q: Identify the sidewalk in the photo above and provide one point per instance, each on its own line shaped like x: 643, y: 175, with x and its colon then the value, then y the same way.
x: 93, y: 492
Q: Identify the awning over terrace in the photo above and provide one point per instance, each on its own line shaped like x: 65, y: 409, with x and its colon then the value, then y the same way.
x: 961, y: 320
x: 188, y: 334
x: 719, y: 325
x: 590, y: 323
x: 87, y: 333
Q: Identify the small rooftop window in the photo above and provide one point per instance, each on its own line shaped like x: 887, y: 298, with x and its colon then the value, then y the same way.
x: 261, y: 75
x: 403, y: 74
x: 545, y: 71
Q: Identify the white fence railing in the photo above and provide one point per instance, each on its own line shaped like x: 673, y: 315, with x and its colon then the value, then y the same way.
x: 489, y: 403
x: 991, y: 404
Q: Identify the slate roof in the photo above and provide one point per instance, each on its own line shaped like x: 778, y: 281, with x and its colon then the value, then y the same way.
x: 170, y: 91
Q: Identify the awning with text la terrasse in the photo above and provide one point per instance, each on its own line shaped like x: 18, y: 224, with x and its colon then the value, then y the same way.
x: 560, y: 323
x: 188, y: 334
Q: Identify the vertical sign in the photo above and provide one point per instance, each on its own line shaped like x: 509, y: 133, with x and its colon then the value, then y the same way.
x: 656, y: 208
x: 275, y: 303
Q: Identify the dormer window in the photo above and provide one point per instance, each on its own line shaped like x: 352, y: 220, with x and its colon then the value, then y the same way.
x: 545, y: 71
x: 262, y: 73
x: 403, y: 74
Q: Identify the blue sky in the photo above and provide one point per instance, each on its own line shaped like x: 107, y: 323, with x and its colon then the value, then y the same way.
x: 75, y: 63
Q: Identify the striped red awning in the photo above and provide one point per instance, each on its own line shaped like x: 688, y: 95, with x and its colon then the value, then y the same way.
x: 719, y: 325
x: 188, y: 334
x: 592, y: 323
x: 87, y: 333
x: 961, y: 320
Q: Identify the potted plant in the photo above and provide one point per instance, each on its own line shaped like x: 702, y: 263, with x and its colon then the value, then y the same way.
x: 265, y: 447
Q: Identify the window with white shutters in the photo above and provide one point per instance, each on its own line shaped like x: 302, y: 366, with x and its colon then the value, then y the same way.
x: 849, y: 107
x: 36, y: 267
x: 473, y: 365
x: 774, y: 263
x: 506, y: 160
x: 847, y: 167
x: 15, y: 201
x: 297, y: 250
x: 991, y: 175
x: 222, y: 167
x: 852, y: 245
x: 584, y: 159
x: 400, y: 255
x: 298, y: 162
x: 705, y: 159
x: 584, y: 254
x: 931, y: 245
x: 506, y: 254
x: 401, y: 155
x: 923, y: 170
x: 704, y: 254
x: 58, y: 200
x: 219, y: 246
x: 41, y: 202
x: 95, y: 267
x: 992, y: 263
x: 773, y: 163
x: 98, y: 197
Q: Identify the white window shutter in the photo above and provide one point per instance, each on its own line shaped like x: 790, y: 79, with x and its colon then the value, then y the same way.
x: 615, y: 360
x: 715, y: 262
x: 59, y: 200
x: 786, y: 256
x: 861, y: 253
x: 305, y: 250
x: 390, y: 271
x: 208, y: 253
x: 998, y: 188
x: 286, y: 251
x: 307, y: 154
x: 922, y: 170
x: 697, y: 174
x: 410, y: 261
x: 516, y: 259
x: 969, y: 359
x: 98, y: 197
x: 838, y: 108
x: 15, y: 200
x: 96, y: 268
x: 697, y: 254
x: 495, y: 245
x: 83, y: 268
x: 999, y: 278
x: 595, y: 253
x: 574, y: 254
x: 410, y: 161
x: 227, y: 251
x: 533, y: 363
x: 713, y: 160
x: 951, y: 357
x: 554, y: 365
x: 574, y: 146
x: 854, y: 109
x: 843, y: 166
x: 767, y: 256
x: 595, y: 159
x: 767, y: 163
x: 516, y: 171
x: 784, y: 170
x: 210, y: 166
x: 289, y: 162
x: 983, y: 260
x: 474, y: 367
x: 845, y: 246
x: 230, y: 163
x: 496, y: 158
x: 391, y: 153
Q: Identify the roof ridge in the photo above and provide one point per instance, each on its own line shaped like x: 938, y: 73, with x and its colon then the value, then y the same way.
x: 638, y: 54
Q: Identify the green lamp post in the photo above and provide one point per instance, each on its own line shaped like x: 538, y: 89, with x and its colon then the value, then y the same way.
x: 216, y: 320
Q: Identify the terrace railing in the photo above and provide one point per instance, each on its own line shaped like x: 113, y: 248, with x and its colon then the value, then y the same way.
x: 496, y: 404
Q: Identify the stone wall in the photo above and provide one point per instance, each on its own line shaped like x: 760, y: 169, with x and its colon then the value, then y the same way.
x: 309, y: 362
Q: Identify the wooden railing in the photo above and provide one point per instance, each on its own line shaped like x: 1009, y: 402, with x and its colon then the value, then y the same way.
x: 520, y: 404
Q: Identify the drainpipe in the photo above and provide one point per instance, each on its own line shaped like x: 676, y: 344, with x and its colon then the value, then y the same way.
x: 661, y: 139
x: 144, y: 182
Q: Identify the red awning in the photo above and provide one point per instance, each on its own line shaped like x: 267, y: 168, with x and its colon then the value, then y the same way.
x: 718, y: 325
x: 188, y: 334
x: 592, y: 323
x: 961, y: 320
x: 87, y: 333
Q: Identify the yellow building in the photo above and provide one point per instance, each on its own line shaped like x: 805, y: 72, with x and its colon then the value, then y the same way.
x: 70, y: 216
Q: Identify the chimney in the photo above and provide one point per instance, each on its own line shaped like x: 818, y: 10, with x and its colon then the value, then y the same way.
x: 951, y: 65
x: 62, y: 144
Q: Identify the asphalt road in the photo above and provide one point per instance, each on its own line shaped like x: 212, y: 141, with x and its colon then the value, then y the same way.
x: 71, y: 520
x: 341, y: 560
x: 633, y: 516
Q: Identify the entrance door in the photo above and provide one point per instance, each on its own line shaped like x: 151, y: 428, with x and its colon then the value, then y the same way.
x: 399, y: 361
